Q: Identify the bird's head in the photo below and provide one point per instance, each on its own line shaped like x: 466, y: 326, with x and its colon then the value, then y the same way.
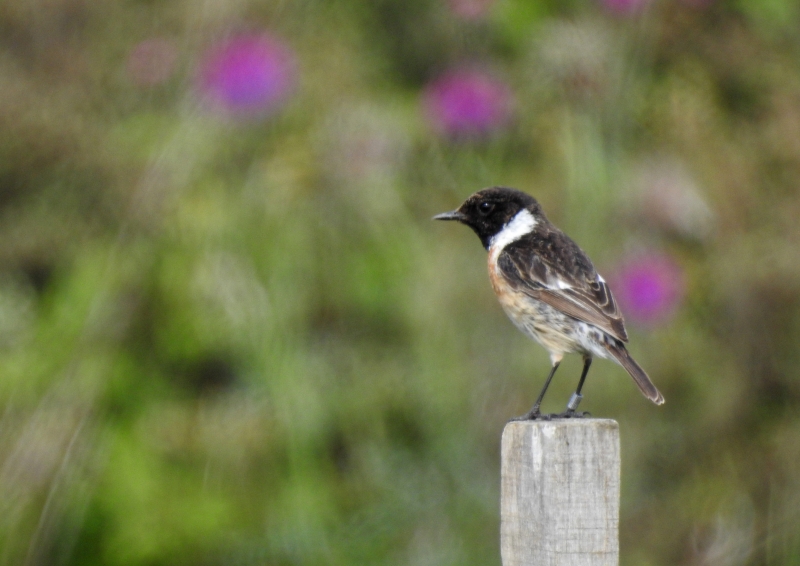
x: 491, y: 210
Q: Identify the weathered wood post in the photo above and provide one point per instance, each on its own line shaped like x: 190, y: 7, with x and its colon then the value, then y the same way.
x: 560, y: 493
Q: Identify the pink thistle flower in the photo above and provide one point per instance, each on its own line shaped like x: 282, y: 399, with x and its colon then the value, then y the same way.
x: 649, y: 287
x: 248, y: 74
x: 467, y: 103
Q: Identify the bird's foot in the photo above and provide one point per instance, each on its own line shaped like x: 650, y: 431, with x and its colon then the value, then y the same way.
x: 571, y: 414
x: 532, y: 415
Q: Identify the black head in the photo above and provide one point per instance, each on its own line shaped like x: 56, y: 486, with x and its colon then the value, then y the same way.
x: 489, y: 210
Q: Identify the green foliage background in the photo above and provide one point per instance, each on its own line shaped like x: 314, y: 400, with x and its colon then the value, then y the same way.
x: 223, y: 344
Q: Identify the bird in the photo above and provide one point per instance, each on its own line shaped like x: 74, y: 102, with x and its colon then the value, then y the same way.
x: 549, y: 288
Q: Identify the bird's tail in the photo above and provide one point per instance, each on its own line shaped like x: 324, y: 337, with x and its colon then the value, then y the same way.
x: 646, y: 386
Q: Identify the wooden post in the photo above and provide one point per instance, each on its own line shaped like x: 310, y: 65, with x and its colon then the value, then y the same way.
x: 560, y: 493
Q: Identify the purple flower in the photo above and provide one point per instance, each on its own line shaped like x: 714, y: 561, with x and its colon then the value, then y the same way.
x: 470, y: 9
x: 467, y: 103
x: 248, y: 74
x: 649, y: 287
x: 151, y: 62
x: 624, y: 7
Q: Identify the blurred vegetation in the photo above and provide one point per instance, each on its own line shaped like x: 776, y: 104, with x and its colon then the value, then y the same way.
x: 236, y: 338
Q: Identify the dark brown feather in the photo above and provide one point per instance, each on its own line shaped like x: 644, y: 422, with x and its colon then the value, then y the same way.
x: 547, y: 265
x: 646, y: 386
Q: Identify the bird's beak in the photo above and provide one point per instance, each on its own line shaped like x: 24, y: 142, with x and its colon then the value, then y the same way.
x: 452, y: 215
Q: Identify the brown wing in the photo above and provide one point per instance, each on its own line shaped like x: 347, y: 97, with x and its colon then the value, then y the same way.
x: 553, y: 269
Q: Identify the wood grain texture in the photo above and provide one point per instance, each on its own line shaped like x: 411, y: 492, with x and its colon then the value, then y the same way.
x: 560, y: 493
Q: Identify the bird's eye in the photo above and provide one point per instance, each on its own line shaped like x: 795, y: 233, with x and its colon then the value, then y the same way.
x: 485, y: 208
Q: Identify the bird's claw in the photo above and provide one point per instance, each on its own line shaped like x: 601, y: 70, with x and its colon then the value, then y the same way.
x: 538, y: 416
x: 532, y: 415
x: 571, y: 414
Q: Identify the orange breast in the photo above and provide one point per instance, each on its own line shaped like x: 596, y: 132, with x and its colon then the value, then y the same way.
x: 501, y: 287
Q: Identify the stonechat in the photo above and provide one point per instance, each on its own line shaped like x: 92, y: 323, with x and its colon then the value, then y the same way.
x: 548, y: 287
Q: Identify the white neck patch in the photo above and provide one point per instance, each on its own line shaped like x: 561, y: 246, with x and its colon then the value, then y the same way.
x: 522, y: 223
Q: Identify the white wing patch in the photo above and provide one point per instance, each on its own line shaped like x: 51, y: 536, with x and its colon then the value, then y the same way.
x: 558, y: 283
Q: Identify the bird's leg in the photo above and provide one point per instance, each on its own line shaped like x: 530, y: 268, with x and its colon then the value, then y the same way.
x: 534, y: 413
x: 576, y: 397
